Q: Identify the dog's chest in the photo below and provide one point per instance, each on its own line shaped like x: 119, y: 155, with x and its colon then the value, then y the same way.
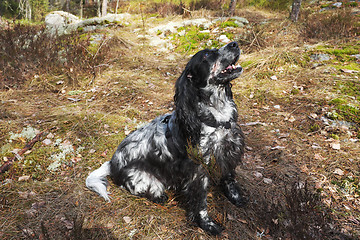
x: 211, y: 140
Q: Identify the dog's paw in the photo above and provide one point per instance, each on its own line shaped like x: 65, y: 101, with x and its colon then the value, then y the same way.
x: 210, y: 226
x: 234, y: 193
x: 160, y: 200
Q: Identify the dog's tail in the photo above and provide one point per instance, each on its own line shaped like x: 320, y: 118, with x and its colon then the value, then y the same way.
x: 97, y: 182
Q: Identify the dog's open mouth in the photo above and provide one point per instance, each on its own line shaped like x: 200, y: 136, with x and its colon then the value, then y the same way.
x: 232, y: 67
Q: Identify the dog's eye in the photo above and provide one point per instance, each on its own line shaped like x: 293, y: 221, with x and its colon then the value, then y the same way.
x: 206, y: 55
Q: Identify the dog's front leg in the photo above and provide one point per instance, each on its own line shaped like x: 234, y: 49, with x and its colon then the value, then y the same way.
x: 233, y: 191
x: 195, y: 192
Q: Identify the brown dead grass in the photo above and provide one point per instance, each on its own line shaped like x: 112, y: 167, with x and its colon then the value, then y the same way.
x: 57, y: 205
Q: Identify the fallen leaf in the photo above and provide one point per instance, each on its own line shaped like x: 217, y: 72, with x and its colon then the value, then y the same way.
x: 268, y: 180
x: 317, y: 156
x: 338, y: 171
x: 318, y: 185
x: 242, y: 221
x: 291, y: 119
x: 258, y: 175
x: 127, y: 219
x: 104, y: 153
x: 47, y: 142
x: 38, y: 205
x: 23, y: 178
x: 274, y: 77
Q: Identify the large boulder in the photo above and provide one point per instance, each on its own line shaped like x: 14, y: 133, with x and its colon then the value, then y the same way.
x: 60, y: 22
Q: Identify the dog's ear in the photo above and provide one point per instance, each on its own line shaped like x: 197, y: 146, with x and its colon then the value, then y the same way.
x: 186, y: 101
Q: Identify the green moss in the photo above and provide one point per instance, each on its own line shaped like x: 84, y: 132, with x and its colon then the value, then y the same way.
x: 247, y: 64
x: 350, y: 88
x: 337, y: 101
x: 229, y: 23
x: 344, y: 111
x: 314, y: 128
x: 193, y: 40
x: 342, y: 53
x: 334, y: 136
x: 295, y: 91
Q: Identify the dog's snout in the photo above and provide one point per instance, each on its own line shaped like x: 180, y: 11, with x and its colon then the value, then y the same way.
x: 233, y: 45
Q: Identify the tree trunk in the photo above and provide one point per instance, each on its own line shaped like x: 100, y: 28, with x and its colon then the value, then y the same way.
x: 67, y: 6
x: 81, y: 9
x: 295, y: 10
x: 99, y: 8
x: 232, y: 7
x: 27, y: 10
x: 104, y: 7
x: 117, y: 6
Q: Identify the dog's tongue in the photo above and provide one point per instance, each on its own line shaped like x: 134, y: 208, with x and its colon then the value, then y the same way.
x: 232, y: 67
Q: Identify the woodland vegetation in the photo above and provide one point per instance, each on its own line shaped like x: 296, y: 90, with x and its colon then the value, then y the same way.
x: 66, y: 101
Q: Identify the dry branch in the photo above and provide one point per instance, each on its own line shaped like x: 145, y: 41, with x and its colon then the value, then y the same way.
x: 6, y: 166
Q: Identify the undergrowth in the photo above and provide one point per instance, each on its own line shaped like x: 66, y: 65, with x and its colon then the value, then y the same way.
x: 331, y: 24
x: 30, y: 52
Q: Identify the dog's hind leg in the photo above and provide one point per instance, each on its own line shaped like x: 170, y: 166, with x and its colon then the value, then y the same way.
x: 144, y: 184
x: 195, y: 193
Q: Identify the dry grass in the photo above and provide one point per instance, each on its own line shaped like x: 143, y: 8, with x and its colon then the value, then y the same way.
x: 288, y: 146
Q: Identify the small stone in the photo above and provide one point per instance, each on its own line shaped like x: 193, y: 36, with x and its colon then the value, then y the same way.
x: 335, y: 145
x: 268, y: 180
x: 23, y: 178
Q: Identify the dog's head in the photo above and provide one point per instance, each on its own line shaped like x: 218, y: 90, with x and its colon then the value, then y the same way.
x: 209, y: 67
x: 214, y: 66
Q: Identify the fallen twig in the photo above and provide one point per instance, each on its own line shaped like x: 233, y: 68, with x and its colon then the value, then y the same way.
x: 6, y: 166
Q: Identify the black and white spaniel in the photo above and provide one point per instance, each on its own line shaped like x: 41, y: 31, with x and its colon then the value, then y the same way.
x: 156, y: 157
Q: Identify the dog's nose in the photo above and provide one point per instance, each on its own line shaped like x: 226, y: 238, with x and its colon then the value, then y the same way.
x: 233, y: 45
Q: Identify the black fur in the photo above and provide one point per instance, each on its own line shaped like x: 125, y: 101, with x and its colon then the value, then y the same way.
x: 156, y: 157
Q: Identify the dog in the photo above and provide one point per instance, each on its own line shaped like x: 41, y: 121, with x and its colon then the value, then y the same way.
x: 155, y: 158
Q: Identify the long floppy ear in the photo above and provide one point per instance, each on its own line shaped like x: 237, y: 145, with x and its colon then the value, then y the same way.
x: 186, y: 101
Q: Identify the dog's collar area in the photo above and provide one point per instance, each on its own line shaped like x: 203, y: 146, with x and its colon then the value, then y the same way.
x: 215, y: 124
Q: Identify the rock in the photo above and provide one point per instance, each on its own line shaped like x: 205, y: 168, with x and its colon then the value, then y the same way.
x: 224, y: 39
x: 60, y: 22
x: 240, y: 21
x: 320, y: 57
x: 357, y: 56
x: 337, y: 4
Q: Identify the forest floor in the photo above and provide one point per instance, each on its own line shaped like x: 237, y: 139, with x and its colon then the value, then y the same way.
x: 299, y: 112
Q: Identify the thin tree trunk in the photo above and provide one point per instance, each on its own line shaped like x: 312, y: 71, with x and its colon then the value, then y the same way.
x: 99, y: 8
x: 67, y: 6
x: 232, y: 7
x: 117, y: 6
x: 104, y: 7
x: 295, y: 10
x: 27, y: 10
x: 81, y: 9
